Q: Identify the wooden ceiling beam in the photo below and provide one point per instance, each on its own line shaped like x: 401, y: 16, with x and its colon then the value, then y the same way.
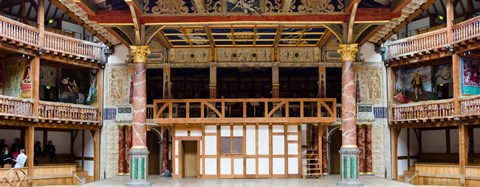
x: 135, y: 12
x: 116, y: 17
x: 89, y: 9
x: 399, y: 5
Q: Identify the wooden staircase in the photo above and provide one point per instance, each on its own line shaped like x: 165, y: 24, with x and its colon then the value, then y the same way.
x: 82, y: 176
x: 313, y: 165
x: 407, y: 174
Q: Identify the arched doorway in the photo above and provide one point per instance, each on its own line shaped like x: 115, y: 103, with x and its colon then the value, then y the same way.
x: 334, y: 144
x: 154, y: 146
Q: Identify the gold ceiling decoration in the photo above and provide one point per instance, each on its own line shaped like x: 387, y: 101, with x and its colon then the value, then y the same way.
x: 317, y: 6
x: 170, y: 7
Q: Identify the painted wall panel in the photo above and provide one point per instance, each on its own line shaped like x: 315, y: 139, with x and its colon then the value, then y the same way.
x: 292, y: 165
x: 210, y: 145
x: 225, y: 131
x: 181, y: 133
x: 237, y: 130
x: 278, y: 145
x: 196, y: 133
x: 225, y: 166
x: 293, y: 148
x: 238, y: 166
x: 251, y: 166
x: 263, y: 166
x: 176, y: 166
x: 263, y: 140
x: 278, y: 165
x: 292, y: 137
x: 176, y: 148
x: 277, y: 128
x: 250, y: 140
x: 210, y: 129
x: 292, y: 128
x: 201, y: 166
x: 212, y: 166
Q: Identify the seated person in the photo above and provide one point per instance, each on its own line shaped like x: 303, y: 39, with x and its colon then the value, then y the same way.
x: 50, y: 150
x: 6, y: 159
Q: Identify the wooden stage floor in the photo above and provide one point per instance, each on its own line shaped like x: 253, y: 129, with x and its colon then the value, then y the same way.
x: 368, y: 181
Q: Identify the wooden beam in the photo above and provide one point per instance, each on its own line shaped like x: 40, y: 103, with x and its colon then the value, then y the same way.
x: 116, y: 17
x: 369, y: 35
x: 351, y: 22
x: 87, y: 7
x: 30, y: 152
x: 96, y: 157
x: 394, y: 140
x: 398, y: 6
x: 463, y: 152
x: 135, y: 13
x: 35, y: 76
x: 83, y: 149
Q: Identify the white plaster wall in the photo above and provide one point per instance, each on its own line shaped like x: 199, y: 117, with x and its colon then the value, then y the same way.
x: 436, y: 141
x: 412, y: 26
x: 454, y: 141
x: 476, y: 143
x: 120, y: 55
x: 368, y: 53
x: 89, y: 150
x: 9, y: 136
x: 38, y: 136
x: 263, y: 141
x: 250, y: 140
x: 61, y: 141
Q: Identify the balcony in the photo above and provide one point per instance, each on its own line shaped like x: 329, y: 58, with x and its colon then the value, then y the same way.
x: 26, y: 36
x: 52, y: 112
x: 435, y: 41
x: 187, y: 111
x: 431, y: 111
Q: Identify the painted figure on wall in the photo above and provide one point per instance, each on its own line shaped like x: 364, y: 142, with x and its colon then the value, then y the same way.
x: 71, y: 91
x: 417, y: 84
x: 26, y: 83
x: 246, y: 6
x: 470, y: 77
x: 92, y: 97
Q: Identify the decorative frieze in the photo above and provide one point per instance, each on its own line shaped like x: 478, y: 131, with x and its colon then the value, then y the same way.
x: 297, y: 54
x: 244, y: 54
x: 190, y: 55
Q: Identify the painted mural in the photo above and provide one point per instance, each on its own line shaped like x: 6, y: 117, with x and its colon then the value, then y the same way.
x: 17, y: 77
x: 413, y: 84
x: 244, y: 6
x: 470, y: 77
x: 119, y: 85
x: 77, y: 86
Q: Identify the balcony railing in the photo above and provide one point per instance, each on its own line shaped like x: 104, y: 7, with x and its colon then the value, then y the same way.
x: 16, y: 107
x: 428, y: 110
x: 68, y: 112
x: 25, y: 35
x: 470, y: 106
x: 433, y: 41
x: 307, y: 110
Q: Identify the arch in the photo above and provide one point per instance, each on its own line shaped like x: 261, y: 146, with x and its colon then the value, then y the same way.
x: 329, y: 151
x: 154, y: 144
x: 152, y: 31
x: 336, y: 30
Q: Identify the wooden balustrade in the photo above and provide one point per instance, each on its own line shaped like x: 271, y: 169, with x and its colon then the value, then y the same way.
x: 424, y: 110
x: 18, y: 32
x: 470, y: 106
x: 28, y: 36
x: 307, y: 110
x: 420, y: 43
x: 57, y: 43
x: 15, y: 107
x: 149, y: 111
x: 68, y: 112
x: 466, y: 30
x: 463, y: 32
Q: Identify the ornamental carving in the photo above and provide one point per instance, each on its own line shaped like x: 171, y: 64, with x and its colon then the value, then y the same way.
x: 273, y: 6
x: 296, y: 54
x: 118, y: 85
x: 213, y: 6
x: 317, y: 6
x: 139, y: 53
x: 244, y: 54
x: 170, y: 7
x: 178, y: 55
x: 348, y: 52
x: 370, y: 84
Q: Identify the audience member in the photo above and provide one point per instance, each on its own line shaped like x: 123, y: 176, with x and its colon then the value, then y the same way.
x: 18, y: 144
x: 38, y: 151
x: 21, y: 159
x: 50, y: 150
x: 6, y: 158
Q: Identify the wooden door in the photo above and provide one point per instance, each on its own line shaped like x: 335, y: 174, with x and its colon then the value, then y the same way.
x: 335, y: 144
x: 153, y: 144
x: 189, y: 161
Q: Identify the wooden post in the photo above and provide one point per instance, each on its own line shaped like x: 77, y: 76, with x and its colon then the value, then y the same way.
x: 41, y: 22
x: 408, y: 147
x: 83, y: 149
x: 394, y: 135
x: 390, y: 91
x: 447, y: 140
x: 463, y: 151
x: 35, y: 73
x: 100, y: 94
x: 30, y: 151
x: 213, y: 82
x: 96, y: 157
x: 321, y: 130
x: 275, y: 83
x: 456, y: 83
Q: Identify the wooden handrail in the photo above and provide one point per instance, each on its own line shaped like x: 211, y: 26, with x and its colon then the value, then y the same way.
x: 249, y: 109
x: 470, y: 106
x: 423, y: 110
x: 68, y: 112
x: 73, y: 46
x: 16, y: 107
x: 19, y: 32
x: 466, y: 30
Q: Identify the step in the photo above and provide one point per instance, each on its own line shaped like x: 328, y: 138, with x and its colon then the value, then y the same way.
x: 401, y: 178
x: 78, y: 169
x: 82, y: 174
x: 408, y: 172
x: 411, y: 168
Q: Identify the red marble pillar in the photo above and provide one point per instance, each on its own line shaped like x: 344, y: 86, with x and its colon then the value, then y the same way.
x: 315, y: 137
x: 361, y: 144
x: 121, y: 150
x: 164, y: 149
x: 324, y: 154
x: 128, y: 141
x: 349, y: 150
x: 368, y: 149
x: 139, y: 151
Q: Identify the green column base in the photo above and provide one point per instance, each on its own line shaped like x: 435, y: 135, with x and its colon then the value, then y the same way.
x: 138, y: 167
x: 349, y: 167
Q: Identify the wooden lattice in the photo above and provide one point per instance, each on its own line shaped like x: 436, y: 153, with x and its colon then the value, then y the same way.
x: 14, y: 178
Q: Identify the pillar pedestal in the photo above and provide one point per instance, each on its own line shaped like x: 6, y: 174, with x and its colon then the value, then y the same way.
x: 349, y: 167
x: 138, y: 167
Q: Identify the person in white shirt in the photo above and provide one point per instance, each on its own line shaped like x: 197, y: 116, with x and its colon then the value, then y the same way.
x: 21, y: 159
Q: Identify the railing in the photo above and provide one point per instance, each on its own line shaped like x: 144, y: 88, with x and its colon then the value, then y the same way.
x: 423, y: 110
x: 149, y: 111
x: 18, y: 32
x: 306, y: 110
x: 470, y: 106
x: 68, y: 112
x: 24, y: 34
x: 15, y: 107
x: 462, y: 32
x: 72, y: 46
x: 422, y: 42
x: 466, y: 30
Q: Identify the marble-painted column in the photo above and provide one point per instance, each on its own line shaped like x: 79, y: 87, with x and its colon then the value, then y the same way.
x: 213, y: 82
x: 275, y: 83
x: 324, y: 153
x: 349, y: 151
x: 167, y: 83
x: 121, y: 150
x: 322, y: 91
x: 368, y: 149
x: 165, y: 146
x: 139, y: 151
x: 361, y: 145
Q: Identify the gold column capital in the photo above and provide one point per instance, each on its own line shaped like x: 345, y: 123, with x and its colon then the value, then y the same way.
x: 348, y: 52
x: 139, y: 53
